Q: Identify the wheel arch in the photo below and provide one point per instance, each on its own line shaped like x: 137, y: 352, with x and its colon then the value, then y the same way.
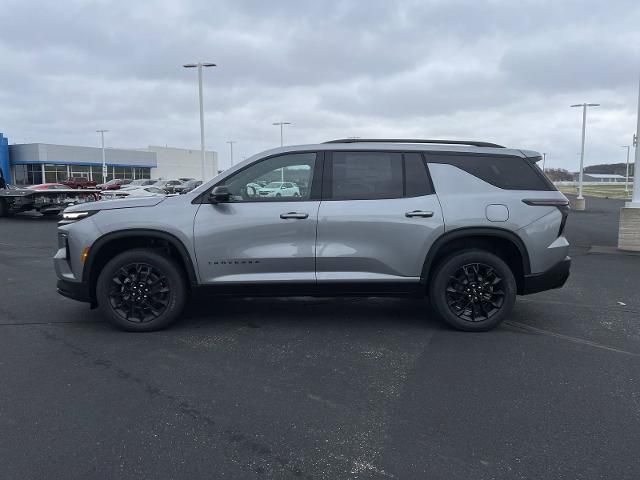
x: 110, y: 244
x: 504, y: 243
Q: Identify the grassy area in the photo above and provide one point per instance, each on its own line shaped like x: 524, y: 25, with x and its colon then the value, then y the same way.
x: 603, y: 191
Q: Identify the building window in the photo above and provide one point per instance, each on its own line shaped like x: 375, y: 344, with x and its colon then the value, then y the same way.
x: 80, y: 171
x: 55, y: 173
x: 141, y: 172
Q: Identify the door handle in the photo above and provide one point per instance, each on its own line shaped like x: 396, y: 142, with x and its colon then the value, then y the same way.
x: 296, y: 215
x: 419, y: 213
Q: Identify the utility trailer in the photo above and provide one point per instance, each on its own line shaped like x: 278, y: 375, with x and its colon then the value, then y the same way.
x: 48, y: 202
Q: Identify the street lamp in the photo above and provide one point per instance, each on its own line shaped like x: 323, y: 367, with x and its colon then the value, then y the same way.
x: 580, y: 203
x: 629, y: 225
x: 199, y: 66
x: 231, y: 142
x: 626, y: 181
x: 281, y: 124
x: 544, y: 160
x: 104, y: 160
x: 635, y: 199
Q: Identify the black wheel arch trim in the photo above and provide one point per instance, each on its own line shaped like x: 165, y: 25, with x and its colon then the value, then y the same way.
x: 140, y: 232
x: 463, y: 232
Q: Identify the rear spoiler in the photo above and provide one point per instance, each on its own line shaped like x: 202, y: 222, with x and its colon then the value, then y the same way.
x: 531, y: 155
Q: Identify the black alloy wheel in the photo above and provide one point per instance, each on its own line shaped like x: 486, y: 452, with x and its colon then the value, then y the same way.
x: 474, y: 292
x: 139, y: 292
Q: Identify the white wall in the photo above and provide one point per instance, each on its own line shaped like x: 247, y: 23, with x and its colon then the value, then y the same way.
x: 181, y: 162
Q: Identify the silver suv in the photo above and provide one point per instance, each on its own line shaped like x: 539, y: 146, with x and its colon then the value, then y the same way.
x: 470, y: 224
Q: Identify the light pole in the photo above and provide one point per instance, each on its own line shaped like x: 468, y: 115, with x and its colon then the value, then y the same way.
x: 629, y: 225
x: 635, y: 199
x: 544, y: 160
x: 626, y: 181
x: 282, y: 124
x: 231, y: 142
x: 580, y: 203
x: 199, y: 65
x: 104, y: 160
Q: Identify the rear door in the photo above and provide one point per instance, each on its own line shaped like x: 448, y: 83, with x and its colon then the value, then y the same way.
x: 378, y: 217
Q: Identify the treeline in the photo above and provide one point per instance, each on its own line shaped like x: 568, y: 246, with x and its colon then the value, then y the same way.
x: 559, y: 174
x: 610, y: 168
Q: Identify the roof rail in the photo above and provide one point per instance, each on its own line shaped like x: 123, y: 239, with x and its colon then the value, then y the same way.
x: 413, y: 140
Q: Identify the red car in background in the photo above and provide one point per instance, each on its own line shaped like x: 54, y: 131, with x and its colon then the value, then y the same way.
x: 48, y: 186
x: 79, y: 182
x: 114, y: 184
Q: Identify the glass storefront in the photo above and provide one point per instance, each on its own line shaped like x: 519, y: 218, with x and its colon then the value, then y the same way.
x: 31, y: 174
x: 27, y: 174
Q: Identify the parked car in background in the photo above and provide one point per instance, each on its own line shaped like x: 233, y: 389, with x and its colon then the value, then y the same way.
x: 140, y: 182
x: 167, y: 185
x: 185, y: 179
x: 138, y: 191
x: 48, y: 186
x: 280, y: 189
x: 114, y: 184
x: 79, y: 182
x: 187, y: 186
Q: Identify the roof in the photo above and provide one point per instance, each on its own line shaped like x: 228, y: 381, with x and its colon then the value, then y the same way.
x: 604, y: 175
x: 421, y: 147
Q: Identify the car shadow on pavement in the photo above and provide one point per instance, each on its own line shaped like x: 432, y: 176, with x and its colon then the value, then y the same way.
x: 257, y: 312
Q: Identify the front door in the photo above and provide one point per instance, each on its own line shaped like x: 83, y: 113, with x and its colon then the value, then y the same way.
x: 265, y: 233
x: 379, y: 217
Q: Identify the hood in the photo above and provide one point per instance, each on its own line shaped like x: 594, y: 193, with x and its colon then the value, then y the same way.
x: 135, y: 202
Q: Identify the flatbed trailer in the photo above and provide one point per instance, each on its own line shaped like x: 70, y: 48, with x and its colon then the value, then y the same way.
x: 48, y: 202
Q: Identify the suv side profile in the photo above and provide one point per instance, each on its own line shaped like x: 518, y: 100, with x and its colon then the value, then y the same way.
x: 469, y: 224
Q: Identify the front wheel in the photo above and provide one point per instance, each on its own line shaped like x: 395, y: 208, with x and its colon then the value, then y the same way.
x: 473, y: 290
x: 141, y: 291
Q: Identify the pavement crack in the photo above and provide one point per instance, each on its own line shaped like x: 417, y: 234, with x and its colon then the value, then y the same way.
x: 580, y: 341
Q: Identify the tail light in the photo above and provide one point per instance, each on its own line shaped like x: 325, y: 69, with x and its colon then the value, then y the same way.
x: 560, y: 204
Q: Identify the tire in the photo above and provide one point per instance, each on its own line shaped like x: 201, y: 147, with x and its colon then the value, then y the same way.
x: 160, y: 278
x: 473, y: 290
x: 278, y: 195
x: 4, y: 208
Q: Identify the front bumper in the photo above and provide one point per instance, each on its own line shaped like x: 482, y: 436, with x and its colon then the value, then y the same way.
x: 555, y: 277
x: 75, y: 290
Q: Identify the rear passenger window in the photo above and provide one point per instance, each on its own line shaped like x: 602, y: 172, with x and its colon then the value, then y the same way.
x: 502, y: 171
x: 417, y: 182
x: 366, y: 175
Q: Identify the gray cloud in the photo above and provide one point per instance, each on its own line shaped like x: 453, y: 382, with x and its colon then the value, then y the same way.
x: 498, y: 70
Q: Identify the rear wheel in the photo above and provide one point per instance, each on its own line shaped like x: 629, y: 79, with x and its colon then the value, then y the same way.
x: 141, y: 291
x: 473, y: 290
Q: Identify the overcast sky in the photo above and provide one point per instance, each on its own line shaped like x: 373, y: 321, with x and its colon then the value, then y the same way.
x: 500, y: 71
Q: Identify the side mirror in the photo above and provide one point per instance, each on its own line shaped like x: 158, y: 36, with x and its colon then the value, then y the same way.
x: 220, y: 194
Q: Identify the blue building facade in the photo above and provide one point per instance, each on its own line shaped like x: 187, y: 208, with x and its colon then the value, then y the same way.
x: 33, y: 163
x: 4, y: 158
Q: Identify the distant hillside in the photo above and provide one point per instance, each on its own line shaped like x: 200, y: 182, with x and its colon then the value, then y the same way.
x: 613, y: 168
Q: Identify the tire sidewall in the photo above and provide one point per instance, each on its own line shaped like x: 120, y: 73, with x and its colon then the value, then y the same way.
x: 167, y: 266
x: 449, y: 266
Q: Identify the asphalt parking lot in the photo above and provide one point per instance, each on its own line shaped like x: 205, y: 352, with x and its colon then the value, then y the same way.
x: 323, y: 388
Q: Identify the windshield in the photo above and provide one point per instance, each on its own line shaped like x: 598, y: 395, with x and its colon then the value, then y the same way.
x: 274, y: 185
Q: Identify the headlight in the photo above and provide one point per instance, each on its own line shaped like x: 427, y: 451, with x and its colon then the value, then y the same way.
x: 70, y: 217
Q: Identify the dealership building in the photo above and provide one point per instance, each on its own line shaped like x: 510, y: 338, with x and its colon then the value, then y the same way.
x: 33, y: 163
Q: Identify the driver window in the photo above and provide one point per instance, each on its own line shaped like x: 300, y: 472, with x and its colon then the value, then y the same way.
x: 282, y: 178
